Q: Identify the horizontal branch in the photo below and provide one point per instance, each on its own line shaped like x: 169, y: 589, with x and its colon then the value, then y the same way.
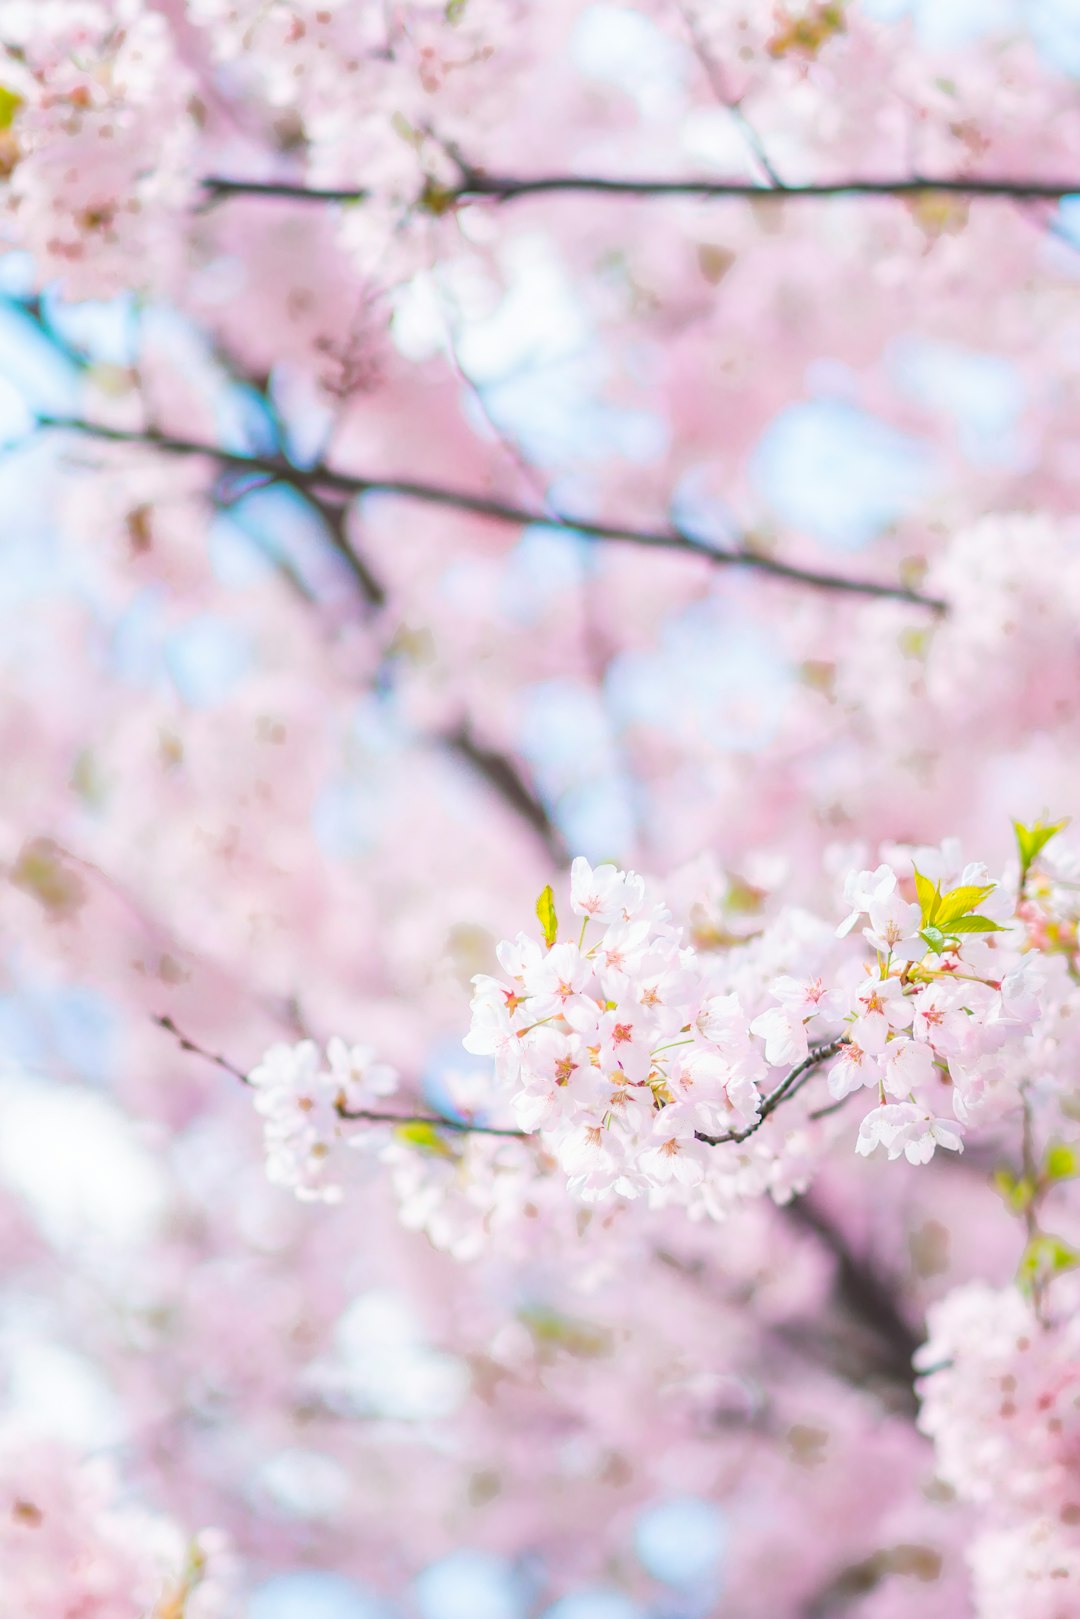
x: 499, y: 511
x: 792, y: 1082
x: 788, y: 1086
x: 437, y: 1120
x: 475, y: 183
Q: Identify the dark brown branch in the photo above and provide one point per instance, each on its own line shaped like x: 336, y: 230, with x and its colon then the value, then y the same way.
x: 436, y: 1121
x: 847, y: 1589
x: 334, y: 517
x: 499, y: 770
x: 792, y: 1082
x: 464, y: 1127
x: 475, y: 183
x: 500, y: 511
x: 505, y: 188
x: 187, y: 1044
x: 864, y: 1295
x: 218, y: 185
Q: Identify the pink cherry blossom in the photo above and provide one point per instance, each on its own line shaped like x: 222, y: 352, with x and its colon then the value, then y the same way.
x: 557, y: 504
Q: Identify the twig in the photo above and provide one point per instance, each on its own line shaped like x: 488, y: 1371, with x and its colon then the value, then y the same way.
x: 792, y: 1082
x: 463, y: 1127
x: 711, y: 69
x: 187, y: 1044
x: 500, y: 511
x: 436, y: 1121
x: 475, y: 183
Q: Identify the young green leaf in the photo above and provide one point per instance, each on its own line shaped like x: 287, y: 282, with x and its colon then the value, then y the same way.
x: 929, y: 896
x: 545, y: 911
x: 1017, y: 1193
x: 1062, y: 1162
x: 10, y: 102
x: 552, y: 1329
x: 959, y: 901
x: 424, y: 1137
x: 1046, y: 1255
x: 935, y: 939
x: 1032, y: 840
x: 974, y: 924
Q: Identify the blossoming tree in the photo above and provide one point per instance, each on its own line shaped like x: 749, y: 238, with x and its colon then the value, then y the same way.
x: 541, y: 992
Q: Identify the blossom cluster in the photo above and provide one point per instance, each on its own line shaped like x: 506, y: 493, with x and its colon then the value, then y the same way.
x: 635, y: 1055
x: 71, y: 1543
x: 645, y: 1065
x: 97, y: 134
x: 618, y: 1048
x: 456, y: 1183
x: 309, y: 1107
x: 1001, y: 1400
x: 462, y: 1188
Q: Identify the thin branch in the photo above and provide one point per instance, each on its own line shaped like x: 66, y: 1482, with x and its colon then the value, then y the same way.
x: 788, y: 1086
x: 792, y: 1082
x: 711, y: 69
x: 437, y: 1121
x: 334, y: 515
x: 475, y: 183
x: 506, y: 188
x: 464, y: 1127
x: 186, y: 1044
x: 218, y: 185
x: 499, y: 511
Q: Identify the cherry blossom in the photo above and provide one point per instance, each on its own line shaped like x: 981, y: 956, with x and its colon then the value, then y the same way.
x: 572, y: 506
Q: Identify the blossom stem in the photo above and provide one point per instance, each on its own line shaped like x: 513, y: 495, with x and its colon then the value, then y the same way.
x: 793, y: 1081
x: 437, y: 1122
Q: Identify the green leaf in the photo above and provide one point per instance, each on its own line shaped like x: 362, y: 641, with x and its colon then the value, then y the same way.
x: 10, y: 102
x: 929, y: 897
x: 424, y: 1137
x: 935, y: 939
x: 974, y: 924
x: 545, y: 910
x: 1032, y: 840
x: 1046, y: 1255
x: 1062, y: 1162
x: 1017, y: 1193
x: 551, y: 1329
x: 959, y: 901
x: 41, y: 869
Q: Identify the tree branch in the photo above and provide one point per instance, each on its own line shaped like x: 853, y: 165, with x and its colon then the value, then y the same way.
x: 323, y: 491
x: 436, y: 1120
x: 861, y: 1291
x: 475, y: 184
x: 501, y: 773
x: 788, y: 1086
x: 334, y: 514
x: 186, y: 1044
x: 499, y: 511
x: 864, y: 1295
